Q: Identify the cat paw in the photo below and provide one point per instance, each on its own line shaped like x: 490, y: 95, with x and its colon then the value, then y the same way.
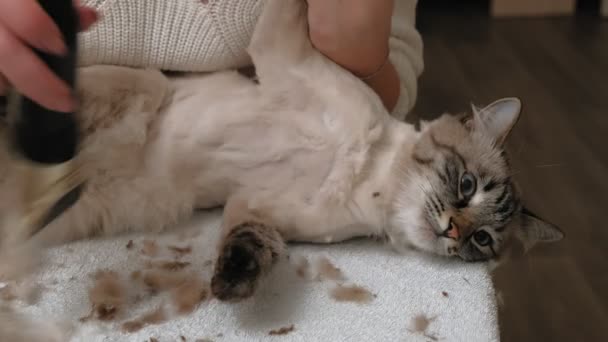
x: 236, y: 273
x: 248, y: 252
x: 239, y: 265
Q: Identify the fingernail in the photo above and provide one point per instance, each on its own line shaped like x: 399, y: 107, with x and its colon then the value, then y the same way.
x: 56, y: 45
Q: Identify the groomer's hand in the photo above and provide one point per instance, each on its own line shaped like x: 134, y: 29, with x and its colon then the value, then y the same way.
x: 24, y: 23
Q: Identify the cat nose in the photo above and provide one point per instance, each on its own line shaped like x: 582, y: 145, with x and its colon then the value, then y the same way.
x: 452, y: 232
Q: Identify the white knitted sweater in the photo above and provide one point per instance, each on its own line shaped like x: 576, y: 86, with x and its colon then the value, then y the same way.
x: 210, y: 35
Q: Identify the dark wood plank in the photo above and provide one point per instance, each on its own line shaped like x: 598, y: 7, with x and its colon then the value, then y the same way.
x: 559, y: 68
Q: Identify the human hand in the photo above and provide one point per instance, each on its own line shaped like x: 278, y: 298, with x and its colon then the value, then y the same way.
x: 353, y: 33
x: 24, y: 24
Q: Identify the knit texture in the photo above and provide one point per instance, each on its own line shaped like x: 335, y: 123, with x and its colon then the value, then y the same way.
x: 182, y: 35
x: 211, y: 35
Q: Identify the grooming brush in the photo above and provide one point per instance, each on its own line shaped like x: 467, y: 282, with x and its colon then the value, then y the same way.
x: 45, y: 142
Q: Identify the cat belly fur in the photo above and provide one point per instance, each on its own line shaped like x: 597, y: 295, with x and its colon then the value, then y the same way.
x: 248, y: 141
x: 155, y: 149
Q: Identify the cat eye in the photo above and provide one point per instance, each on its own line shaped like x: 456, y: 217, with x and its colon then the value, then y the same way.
x: 468, y: 184
x: 482, y: 238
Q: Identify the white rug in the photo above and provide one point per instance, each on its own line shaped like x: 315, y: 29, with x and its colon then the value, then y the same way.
x: 457, y: 298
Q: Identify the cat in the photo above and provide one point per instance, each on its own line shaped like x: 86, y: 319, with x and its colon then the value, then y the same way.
x: 307, y: 153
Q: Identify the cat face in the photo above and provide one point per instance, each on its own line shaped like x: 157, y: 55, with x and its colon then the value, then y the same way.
x: 465, y: 201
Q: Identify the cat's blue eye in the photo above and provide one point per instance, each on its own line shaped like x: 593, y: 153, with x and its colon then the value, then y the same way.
x: 468, y: 185
x: 482, y: 238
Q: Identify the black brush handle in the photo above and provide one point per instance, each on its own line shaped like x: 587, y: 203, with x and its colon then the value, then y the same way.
x: 43, y: 135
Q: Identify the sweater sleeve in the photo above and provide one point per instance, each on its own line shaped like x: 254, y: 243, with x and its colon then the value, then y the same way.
x: 406, y: 54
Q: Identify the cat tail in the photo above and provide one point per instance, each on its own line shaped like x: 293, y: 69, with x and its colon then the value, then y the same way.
x: 280, y: 39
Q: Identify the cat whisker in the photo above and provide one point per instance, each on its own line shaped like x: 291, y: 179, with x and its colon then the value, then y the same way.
x: 514, y: 173
x: 541, y: 166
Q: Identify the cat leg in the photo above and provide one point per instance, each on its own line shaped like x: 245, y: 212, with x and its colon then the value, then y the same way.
x: 249, y: 249
x: 280, y: 38
x: 118, y: 104
x: 22, y: 255
x: 255, y: 231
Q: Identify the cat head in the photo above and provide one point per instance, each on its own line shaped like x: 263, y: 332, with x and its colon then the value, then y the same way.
x: 459, y: 198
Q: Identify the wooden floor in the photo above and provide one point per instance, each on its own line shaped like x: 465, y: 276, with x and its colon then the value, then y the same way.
x: 559, y: 68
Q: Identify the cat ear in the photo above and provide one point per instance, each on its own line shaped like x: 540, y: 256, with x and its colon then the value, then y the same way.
x: 498, y: 118
x: 536, y: 230
x: 475, y: 109
x: 424, y: 124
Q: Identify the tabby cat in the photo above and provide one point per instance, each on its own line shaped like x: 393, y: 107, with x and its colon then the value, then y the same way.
x: 308, y: 154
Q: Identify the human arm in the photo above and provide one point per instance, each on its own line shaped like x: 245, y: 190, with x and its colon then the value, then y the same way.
x: 360, y: 34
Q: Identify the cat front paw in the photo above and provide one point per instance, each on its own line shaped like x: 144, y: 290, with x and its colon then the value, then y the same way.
x: 236, y: 273
x: 248, y: 252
